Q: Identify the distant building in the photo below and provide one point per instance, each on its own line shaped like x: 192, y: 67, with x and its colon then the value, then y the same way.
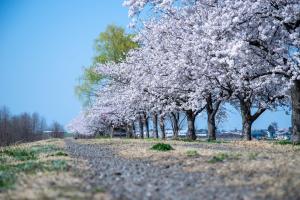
x: 283, y: 134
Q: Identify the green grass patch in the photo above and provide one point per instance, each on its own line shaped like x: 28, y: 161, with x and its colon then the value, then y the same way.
x: 162, y: 147
x: 8, y: 172
x: 285, y: 142
x: 98, y: 190
x: 44, y: 148
x: 221, y: 157
x: 58, y: 165
x: 19, y: 153
x: 152, y: 139
x: 60, y: 153
x: 7, y: 180
x: 3, y: 159
x: 29, y: 163
x: 192, y: 153
x: 102, y: 136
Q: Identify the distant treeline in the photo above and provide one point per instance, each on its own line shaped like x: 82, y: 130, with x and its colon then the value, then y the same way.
x: 24, y: 127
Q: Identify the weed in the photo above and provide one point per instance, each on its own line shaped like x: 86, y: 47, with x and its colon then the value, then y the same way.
x: 29, y: 167
x: 58, y: 165
x: 7, y: 179
x: 98, y: 190
x: 60, y: 153
x: 252, y: 155
x: 192, y: 153
x: 223, y: 156
x: 162, y: 147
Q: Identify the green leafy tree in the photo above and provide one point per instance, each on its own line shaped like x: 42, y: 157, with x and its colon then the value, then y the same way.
x: 112, y: 45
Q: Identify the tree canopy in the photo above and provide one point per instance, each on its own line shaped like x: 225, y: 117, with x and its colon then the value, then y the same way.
x: 112, y: 45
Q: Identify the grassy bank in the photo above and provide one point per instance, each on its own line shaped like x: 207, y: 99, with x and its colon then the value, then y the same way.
x: 41, y: 170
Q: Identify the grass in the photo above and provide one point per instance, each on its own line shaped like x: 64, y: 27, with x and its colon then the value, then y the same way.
x: 22, y: 159
x: 284, y: 142
x: 20, y: 153
x: 98, y: 190
x: 252, y: 155
x: 192, y: 153
x: 216, y: 141
x: 162, y: 147
x: 60, y: 153
x: 152, y: 139
x: 221, y: 157
x: 7, y: 179
x: 44, y: 148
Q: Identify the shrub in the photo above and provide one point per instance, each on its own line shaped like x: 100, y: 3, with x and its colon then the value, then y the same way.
x: 162, y: 147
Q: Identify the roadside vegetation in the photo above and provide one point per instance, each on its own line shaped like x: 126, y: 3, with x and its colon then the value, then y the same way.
x: 41, y: 170
x: 26, y: 159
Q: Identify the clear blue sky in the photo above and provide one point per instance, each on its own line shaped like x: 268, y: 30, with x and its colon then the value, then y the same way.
x: 45, y: 43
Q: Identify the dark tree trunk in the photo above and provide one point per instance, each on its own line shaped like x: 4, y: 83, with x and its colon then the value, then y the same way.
x: 146, y: 124
x: 141, y: 127
x: 295, y: 94
x: 133, y: 129
x: 155, y: 125
x: 191, y: 124
x: 112, y: 131
x: 246, y: 119
x: 162, y: 127
x: 129, y: 132
x: 211, y: 119
x: 175, y: 119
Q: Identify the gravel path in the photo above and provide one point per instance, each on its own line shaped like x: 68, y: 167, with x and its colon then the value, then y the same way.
x: 139, y: 179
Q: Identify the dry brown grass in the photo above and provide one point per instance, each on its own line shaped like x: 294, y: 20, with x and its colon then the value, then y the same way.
x: 270, y: 168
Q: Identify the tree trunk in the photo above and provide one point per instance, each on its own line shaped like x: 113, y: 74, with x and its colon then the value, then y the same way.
x: 141, y: 127
x: 162, y: 127
x: 175, y: 119
x: 296, y: 112
x: 129, y: 131
x: 112, y: 130
x: 211, y: 120
x: 146, y: 123
x: 155, y: 125
x: 191, y: 124
x: 246, y: 119
x: 133, y: 129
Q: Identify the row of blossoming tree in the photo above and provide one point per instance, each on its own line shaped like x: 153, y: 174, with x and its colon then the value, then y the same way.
x: 196, y: 55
